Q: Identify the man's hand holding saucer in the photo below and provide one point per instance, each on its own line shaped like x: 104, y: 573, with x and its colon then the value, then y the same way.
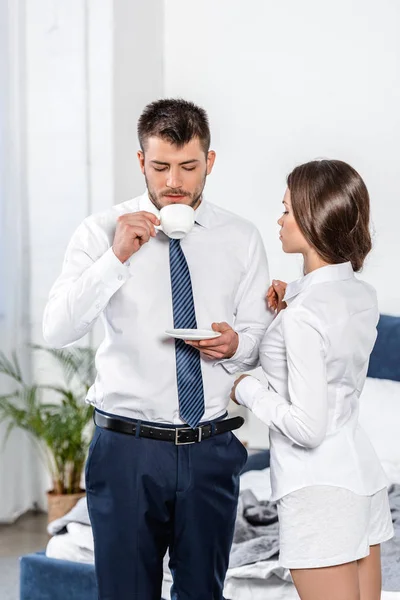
x: 223, y: 346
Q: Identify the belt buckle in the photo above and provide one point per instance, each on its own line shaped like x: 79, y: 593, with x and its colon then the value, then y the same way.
x: 178, y: 429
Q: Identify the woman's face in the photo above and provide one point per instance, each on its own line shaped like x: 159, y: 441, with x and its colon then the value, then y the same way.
x: 293, y: 241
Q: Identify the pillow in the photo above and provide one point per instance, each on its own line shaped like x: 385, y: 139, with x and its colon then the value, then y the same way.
x: 385, y: 357
x: 380, y: 418
x: 257, y: 461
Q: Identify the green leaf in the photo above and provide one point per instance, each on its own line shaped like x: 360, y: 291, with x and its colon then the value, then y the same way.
x: 10, y: 368
x: 58, y: 428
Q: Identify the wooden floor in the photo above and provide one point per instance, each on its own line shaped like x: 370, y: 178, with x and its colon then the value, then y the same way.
x: 27, y: 534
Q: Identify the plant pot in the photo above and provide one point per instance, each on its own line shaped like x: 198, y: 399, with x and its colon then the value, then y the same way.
x: 59, y: 504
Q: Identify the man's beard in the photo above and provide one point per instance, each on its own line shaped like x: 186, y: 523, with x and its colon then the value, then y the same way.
x: 195, y: 197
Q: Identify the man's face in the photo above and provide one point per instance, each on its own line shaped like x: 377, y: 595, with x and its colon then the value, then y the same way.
x: 175, y: 175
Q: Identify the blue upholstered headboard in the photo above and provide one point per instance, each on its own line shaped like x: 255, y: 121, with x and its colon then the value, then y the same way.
x: 385, y: 357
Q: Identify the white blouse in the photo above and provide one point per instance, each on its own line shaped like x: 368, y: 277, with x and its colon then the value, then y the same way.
x: 315, y: 357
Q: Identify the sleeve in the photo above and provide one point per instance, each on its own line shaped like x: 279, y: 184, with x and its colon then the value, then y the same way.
x: 252, y: 317
x: 91, y: 274
x: 303, y: 417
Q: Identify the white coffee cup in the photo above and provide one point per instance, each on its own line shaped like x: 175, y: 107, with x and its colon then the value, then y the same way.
x: 176, y: 220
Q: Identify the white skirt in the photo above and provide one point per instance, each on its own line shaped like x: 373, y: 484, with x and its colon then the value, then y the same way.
x: 323, y: 526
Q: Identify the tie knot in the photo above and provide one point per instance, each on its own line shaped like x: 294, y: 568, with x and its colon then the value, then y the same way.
x: 174, y: 243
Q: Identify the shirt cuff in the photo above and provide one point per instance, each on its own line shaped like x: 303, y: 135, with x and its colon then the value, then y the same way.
x: 246, y: 391
x: 235, y: 362
x: 111, y: 271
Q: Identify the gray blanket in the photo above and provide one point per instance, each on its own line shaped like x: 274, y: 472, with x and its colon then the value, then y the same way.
x: 390, y: 550
x: 257, y: 536
x: 256, y: 531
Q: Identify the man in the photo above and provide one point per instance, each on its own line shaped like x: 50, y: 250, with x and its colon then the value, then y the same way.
x: 155, y: 483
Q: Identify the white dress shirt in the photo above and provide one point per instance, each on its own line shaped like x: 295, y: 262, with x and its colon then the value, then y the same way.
x: 136, y: 368
x: 315, y: 357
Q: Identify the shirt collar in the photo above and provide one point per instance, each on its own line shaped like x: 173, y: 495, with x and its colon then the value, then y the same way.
x: 338, y: 272
x: 202, y: 214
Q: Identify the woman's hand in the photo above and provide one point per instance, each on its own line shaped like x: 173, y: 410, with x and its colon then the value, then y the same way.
x: 233, y: 390
x: 275, y: 295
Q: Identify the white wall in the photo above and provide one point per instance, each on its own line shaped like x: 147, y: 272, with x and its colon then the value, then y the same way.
x: 87, y: 81
x: 283, y: 83
x: 56, y: 138
x: 18, y: 468
x: 138, y: 80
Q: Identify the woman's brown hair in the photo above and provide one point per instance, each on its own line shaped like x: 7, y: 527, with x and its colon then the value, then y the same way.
x: 330, y: 203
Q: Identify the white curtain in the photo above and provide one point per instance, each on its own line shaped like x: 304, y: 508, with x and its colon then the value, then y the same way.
x: 18, y: 462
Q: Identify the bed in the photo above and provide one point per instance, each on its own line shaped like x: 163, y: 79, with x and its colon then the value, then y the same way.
x: 53, y: 578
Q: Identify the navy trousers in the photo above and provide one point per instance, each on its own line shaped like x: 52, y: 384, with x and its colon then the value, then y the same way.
x: 146, y: 496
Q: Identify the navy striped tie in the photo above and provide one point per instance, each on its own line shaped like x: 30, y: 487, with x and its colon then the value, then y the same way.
x: 188, y: 367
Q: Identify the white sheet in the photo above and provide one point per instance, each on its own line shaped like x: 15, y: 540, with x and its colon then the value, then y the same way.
x: 64, y: 547
x: 259, y: 482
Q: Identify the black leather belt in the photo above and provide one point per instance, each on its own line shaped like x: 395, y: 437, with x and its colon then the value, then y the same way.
x: 178, y: 435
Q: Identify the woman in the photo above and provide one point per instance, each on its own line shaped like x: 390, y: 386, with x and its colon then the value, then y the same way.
x: 326, y: 478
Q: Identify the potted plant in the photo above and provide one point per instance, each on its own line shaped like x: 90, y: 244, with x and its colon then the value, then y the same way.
x: 61, y: 427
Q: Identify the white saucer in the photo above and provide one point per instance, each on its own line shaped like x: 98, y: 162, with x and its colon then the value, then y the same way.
x: 193, y: 334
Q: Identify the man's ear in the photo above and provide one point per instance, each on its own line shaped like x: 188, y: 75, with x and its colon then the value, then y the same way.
x: 140, y: 156
x: 210, y: 161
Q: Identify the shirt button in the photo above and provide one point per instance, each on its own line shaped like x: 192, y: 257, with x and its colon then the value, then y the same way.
x: 98, y: 305
x: 127, y: 263
x: 120, y: 278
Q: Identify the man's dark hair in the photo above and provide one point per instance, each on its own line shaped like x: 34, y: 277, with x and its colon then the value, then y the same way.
x: 330, y: 204
x: 175, y: 120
